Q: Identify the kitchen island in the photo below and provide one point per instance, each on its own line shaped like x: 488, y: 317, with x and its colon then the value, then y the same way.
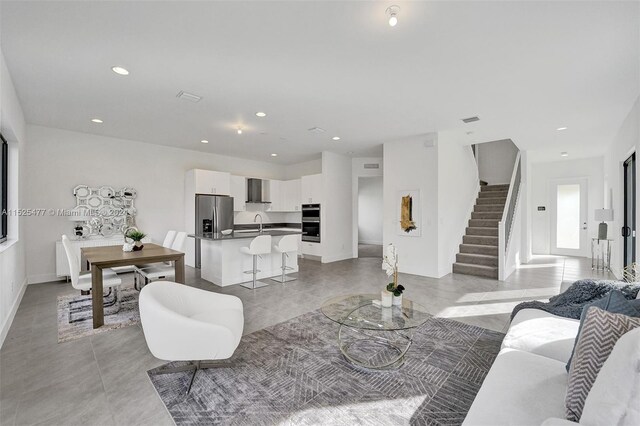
x: 223, y: 264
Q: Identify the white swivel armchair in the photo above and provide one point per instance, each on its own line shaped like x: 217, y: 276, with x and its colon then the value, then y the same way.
x: 83, y: 282
x: 182, y: 323
x: 161, y: 271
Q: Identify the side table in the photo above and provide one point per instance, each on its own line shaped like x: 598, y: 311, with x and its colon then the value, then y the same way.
x: 601, y: 254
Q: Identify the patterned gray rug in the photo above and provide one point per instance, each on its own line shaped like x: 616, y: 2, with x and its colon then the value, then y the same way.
x: 81, y: 324
x: 294, y: 374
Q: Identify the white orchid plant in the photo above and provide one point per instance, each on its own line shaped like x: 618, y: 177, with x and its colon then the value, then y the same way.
x: 390, y: 266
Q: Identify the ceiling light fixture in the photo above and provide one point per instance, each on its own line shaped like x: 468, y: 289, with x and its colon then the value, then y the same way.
x: 392, y: 13
x: 97, y: 120
x: 274, y: 155
x: 261, y: 114
x: 564, y: 154
x: 336, y: 138
x: 204, y: 141
x: 562, y: 128
x: 120, y: 70
x: 239, y: 130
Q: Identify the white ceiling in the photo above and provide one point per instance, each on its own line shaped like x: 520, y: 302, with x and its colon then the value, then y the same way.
x: 525, y: 68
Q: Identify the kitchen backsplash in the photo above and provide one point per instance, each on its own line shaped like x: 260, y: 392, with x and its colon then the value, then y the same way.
x: 267, y: 217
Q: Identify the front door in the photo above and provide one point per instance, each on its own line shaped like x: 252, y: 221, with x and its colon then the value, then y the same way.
x: 629, y: 227
x: 569, y: 230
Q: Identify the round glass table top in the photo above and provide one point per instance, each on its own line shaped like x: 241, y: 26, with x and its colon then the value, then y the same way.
x: 359, y: 311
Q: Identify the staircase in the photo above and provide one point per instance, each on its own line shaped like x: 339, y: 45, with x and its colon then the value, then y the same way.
x: 479, y: 249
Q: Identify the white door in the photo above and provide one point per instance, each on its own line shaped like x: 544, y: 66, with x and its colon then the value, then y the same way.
x: 569, y: 217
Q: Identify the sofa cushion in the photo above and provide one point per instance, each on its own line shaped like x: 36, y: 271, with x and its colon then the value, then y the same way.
x: 600, y: 332
x: 614, y: 398
x: 521, y: 388
x: 542, y: 333
x: 613, y: 302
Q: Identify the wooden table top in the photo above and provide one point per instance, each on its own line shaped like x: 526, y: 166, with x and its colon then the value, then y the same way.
x: 109, y: 256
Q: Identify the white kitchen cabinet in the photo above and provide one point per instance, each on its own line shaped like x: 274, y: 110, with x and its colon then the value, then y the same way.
x: 274, y: 192
x: 311, y: 189
x: 291, y: 195
x: 239, y: 193
x: 211, y: 182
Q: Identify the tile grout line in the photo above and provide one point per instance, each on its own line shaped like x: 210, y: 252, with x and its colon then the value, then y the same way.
x: 93, y: 351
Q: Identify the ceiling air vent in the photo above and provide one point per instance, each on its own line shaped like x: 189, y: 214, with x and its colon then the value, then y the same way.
x: 471, y: 119
x: 316, y: 130
x: 372, y: 166
x: 188, y: 97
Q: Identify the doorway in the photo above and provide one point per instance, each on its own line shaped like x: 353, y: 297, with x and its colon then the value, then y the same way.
x: 370, y: 209
x: 629, y: 226
x: 569, y: 230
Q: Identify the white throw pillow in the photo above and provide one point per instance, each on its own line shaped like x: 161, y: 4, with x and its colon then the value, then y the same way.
x: 614, y: 398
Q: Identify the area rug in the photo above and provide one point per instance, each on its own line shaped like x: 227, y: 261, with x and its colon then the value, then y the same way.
x: 293, y: 374
x: 82, y: 324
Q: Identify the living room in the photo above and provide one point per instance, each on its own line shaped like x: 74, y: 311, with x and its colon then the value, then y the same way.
x: 319, y: 212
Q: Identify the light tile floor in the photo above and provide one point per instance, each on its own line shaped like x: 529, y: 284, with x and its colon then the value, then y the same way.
x: 101, y: 380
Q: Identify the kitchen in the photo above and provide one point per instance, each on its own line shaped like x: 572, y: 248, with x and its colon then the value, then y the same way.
x: 224, y: 215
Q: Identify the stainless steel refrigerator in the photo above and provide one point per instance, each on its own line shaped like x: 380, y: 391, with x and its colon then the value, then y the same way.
x: 213, y: 214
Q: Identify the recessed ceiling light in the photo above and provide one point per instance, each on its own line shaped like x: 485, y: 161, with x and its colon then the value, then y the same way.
x: 274, y: 155
x: 336, y: 138
x: 350, y: 152
x: 239, y: 131
x: 120, y: 70
x: 561, y: 128
x: 204, y: 141
x: 564, y: 154
x: 261, y: 114
x: 392, y: 13
x: 97, y: 120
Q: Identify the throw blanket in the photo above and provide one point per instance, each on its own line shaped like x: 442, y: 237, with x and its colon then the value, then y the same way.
x: 570, y: 303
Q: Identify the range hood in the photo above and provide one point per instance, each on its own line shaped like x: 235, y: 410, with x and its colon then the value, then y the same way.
x: 254, y: 191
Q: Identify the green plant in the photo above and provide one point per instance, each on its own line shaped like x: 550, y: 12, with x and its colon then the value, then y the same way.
x: 136, y: 235
x: 395, y: 289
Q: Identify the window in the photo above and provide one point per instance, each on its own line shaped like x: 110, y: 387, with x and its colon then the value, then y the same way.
x: 4, y: 161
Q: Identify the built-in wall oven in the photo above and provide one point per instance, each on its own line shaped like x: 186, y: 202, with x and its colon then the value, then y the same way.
x: 311, y: 223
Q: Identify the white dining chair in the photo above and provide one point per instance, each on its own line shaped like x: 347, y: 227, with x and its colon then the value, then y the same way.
x: 259, y: 245
x: 169, y: 238
x: 182, y: 323
x: 82, y: 282
x: 161, y: 271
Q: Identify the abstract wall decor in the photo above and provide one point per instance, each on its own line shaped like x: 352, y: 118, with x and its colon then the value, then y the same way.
x: 103, y: 210
x: 409, y: 218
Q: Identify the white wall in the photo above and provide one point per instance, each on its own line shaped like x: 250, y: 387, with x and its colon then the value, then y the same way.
x: 336, y: 226
x: 626, y: 141
x: 542, y: 175
x: 357, y: 171
x: 458, y: 187
x: 495, y: 161
x: 409, y: 165
x: 12, y: 252
x: 58, y: 160
x: 370, y: 206
x: 307, y: 168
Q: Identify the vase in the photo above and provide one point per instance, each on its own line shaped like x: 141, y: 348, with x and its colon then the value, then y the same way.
x: 137, y: 246
x: 385, y: 299
x: 397, y: 300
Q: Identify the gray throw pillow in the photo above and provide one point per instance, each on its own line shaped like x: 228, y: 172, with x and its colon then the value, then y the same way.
x: 600, y: 332
x: 614, y: 302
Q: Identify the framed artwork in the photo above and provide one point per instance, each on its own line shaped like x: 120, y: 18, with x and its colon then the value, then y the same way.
x: 409, y: 215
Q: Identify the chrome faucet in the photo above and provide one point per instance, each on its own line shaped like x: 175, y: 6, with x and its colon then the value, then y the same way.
x: 255, y: 218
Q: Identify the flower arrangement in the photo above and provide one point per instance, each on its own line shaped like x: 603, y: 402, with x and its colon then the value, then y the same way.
x: 390, y: 266
x: 136, y: 236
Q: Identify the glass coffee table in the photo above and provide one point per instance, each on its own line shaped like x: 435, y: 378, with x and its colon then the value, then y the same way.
x: 371, y: 336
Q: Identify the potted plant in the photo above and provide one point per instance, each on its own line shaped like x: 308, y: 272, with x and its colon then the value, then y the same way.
x: 390, y: 265
x: 137, y: 237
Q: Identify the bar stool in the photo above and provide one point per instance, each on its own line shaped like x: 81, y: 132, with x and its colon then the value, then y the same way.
x: 288, y: 243
x: 259, y: 245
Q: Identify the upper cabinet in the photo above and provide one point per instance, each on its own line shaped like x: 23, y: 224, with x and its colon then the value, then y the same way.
x: 210, y: 182
x: 311, y: 189
x: 239, y: 193
x: 291, y: 195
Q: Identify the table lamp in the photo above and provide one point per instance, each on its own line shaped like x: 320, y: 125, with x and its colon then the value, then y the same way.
x: 603, y: 215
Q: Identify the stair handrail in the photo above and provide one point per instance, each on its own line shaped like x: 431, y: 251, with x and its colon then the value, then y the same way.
x: 506, y: 223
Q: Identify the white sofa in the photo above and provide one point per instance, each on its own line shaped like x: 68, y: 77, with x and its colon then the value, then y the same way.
x: 527, y: 383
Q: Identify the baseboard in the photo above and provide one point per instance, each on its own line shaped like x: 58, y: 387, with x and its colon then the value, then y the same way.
x: 12, y: 313
x: 371, y: 243
x: 337, y: 257
x: 43, y: 278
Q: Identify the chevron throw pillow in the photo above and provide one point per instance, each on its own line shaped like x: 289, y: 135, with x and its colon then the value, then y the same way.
x: 600, y: 332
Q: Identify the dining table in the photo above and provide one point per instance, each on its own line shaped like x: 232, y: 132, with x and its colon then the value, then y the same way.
x: 98, y: 258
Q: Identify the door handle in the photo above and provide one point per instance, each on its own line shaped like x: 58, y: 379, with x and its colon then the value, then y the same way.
x: 626, y: 231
